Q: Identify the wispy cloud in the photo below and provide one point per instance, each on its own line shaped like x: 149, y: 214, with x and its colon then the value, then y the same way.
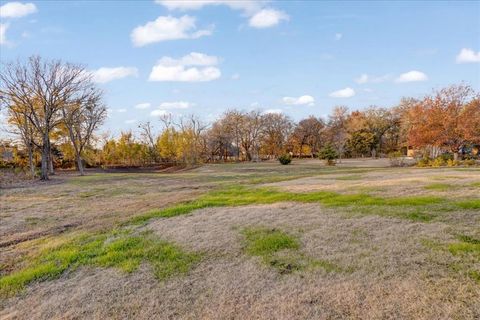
x: 365, y: 78
x: 143, y: 105
x: 176, y: 105
x: 3, y: 33
x: 343, y: 93
x: 104, y: 75
x: 258, y: 13
x: 302, y: 100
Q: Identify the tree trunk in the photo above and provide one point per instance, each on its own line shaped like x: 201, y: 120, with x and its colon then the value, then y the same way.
x: 455, y: 156
x: 50, y: 164
x: 45, y: 153
x: 80, y: 165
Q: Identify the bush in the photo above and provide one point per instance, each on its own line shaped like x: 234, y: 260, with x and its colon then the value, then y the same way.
x: 329, y: 154
x: 438, y: 162
x: 470, y: 162
x: 424, y: 162
x: 453, y: 163
x: 285, y: 159
x: 445, y: 157
x: 396, y: 159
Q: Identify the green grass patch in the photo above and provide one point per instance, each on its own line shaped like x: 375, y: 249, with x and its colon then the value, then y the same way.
x: 413, y: 208
x: 266, y: 242
x: 475, y: 184
x: 439, y: 187
x: 469, y: 204
x: 468, y: 249
x: 350, y: 177
x: 120, y: 250
x: 281, y: 251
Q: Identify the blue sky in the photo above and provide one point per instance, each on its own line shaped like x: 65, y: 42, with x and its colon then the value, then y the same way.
x: 203, y: 57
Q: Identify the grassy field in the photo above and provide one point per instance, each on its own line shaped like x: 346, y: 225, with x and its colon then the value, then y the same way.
x: 244, y: 241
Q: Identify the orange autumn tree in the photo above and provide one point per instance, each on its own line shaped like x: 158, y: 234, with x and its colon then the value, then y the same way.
x: 450, y: 119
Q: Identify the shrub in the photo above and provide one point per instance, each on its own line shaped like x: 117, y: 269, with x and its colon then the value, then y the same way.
x: 396, y: 159
x: 423, y: 162
x: 329, y: 154
x: 438, y: 162
x: 470, y: 162
x: 453, y: 163
x: 445, y: 157
x: 285, y: 159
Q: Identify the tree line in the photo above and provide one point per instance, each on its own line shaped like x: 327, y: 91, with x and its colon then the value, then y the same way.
x: 56, y: 111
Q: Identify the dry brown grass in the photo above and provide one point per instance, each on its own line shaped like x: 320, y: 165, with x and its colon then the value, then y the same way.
x: 388, y: 268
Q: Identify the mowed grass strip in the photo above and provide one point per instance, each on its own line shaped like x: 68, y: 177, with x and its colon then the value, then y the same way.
x: 120, y: 250
x: 281, y: 251
x: 419, y: 208
x: 439, y: 187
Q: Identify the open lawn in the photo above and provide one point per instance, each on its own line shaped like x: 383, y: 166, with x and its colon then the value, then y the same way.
x: 244, y: 241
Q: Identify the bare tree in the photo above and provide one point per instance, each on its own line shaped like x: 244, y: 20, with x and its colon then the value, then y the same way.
x: 18, y: 119
x: 43, y: 87
x: 146, y: 132
x: 81, y: 118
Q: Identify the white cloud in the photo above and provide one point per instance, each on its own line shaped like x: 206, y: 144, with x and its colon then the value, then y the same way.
x: 104, y: 75
x: 121, y: 110
x: 17, y: 9
x: 194, y: 67
x: 259, y: 15
x: 247, y: 6
x: 468, y: 56
x: 167, y: 28
x: 266, y: 18
x: 364, y: 78
x: 274, y: 111
x: 144, y: 105
x: 3, y: 33
x: 412, y: 76
x: 176, y: 105
x: 338, y: 36
x: 343, y: 93
x: 235, y: 76
x: 159, y: 113
x: 302, y: 100
x: 130, y: 121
